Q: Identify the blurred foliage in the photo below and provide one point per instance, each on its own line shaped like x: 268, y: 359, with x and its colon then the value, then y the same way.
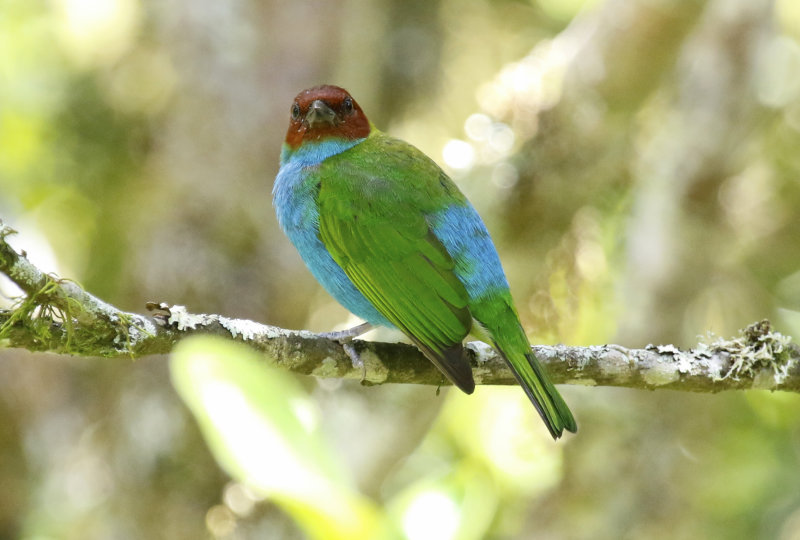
x: 636, y: 162
x: 263, y: 430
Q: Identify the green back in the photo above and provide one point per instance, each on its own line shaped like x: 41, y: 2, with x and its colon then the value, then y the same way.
x: 373, y: 200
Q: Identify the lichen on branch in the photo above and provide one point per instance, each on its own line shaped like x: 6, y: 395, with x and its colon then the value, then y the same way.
x: 57, y: 315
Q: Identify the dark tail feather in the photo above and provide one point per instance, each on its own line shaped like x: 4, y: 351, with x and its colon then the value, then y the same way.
x: 453, y: 362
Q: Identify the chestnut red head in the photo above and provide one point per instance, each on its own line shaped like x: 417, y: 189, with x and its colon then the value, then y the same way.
x: 325, y: 111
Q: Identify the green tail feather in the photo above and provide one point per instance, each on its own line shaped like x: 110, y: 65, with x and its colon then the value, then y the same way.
x: 541, y: 391
x: 506, y: 334
x: 558, y: 417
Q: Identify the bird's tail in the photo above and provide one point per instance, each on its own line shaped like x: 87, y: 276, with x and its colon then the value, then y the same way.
x: 510, y: 341
x: 542, y: 393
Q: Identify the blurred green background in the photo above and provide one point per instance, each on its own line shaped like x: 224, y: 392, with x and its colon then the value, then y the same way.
x: 638, y: 164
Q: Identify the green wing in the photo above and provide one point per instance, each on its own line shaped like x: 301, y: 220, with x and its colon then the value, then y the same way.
x: 372, y: 221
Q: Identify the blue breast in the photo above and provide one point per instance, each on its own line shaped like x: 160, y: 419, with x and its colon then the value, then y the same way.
x: 294, y: 196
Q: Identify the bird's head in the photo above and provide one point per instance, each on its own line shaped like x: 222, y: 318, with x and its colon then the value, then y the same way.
x: 322, y: 112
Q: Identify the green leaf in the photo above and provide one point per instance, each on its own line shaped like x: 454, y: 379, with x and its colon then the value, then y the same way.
x: 262, y: 428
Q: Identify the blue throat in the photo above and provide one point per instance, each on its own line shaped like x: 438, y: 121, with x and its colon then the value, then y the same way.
x: 312, y: 153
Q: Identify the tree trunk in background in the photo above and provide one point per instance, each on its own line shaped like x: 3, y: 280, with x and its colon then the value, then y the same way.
x: 678, y: 241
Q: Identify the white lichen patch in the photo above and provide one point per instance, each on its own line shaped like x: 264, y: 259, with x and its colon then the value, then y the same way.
x: 183, y: 320
x: 243, y: 327
x: 684, y: 362
x: 665, y: 349
x: 272, y: 332
x: 305, y: 334
x: 674, y: 363
x: 483, y: 351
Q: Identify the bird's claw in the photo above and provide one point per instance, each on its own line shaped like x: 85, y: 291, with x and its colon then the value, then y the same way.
x: 355, y: 358
x: 345, y: 339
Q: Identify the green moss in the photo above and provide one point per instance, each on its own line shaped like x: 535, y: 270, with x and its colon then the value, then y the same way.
x: 52, y: 321
x: 51, y: 317
x: 36, y: 313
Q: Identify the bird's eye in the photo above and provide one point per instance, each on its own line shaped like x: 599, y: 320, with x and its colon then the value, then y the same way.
x: 348, y: 105
x: 295, y: 111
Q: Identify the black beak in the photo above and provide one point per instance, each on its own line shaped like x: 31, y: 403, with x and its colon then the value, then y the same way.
x: 320, y: 114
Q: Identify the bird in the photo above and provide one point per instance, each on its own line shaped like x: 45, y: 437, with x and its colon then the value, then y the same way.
x: 392, y: 238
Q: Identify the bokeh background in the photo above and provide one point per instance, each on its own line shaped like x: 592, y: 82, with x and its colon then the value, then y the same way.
x: 638, y: 164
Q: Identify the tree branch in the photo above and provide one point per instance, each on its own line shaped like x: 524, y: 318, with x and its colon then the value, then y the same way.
x: 59, y: 316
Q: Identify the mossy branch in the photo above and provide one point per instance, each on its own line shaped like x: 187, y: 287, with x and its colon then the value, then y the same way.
x: 59, y: 316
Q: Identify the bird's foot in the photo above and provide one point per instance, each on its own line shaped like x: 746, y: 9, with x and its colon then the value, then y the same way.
x: 356, y: 359
x: 345, y: 338
x: 348, y: 334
